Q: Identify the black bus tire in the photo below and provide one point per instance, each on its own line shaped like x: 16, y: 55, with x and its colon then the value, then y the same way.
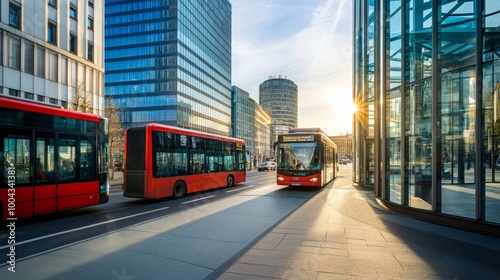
x: 179, y: 189
x: 229, y: 181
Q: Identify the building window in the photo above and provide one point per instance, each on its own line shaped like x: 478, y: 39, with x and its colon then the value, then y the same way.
x: 90, y: 23
x: 52, y: 33
x: 64, y: 70
x: 52, y: 66
x: 64, y: 104
x: 14, y: 92
x: 90, y: 52
x: 14, y: 58
x: 52, y: 100
x: 72, y: 12
x: 29, y: 95
x: 52, y: 3
x: 72, y: 43
x: 40, y: 62
x: 14, y: 16
x: 91, y: 3
x: 29, y: 57
x: 40, y: 98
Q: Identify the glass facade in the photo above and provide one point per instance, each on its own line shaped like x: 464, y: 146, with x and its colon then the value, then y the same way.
x: 279, y: 97
x: 169, y: 61
x: 251, y: 123
x: 427, y: 91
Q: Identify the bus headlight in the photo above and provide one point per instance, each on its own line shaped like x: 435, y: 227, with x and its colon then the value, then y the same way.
x: 314, y: 180
x: 280, y: 178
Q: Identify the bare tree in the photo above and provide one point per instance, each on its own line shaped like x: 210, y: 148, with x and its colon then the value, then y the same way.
x: 115, y: 129
x: 81, y: 102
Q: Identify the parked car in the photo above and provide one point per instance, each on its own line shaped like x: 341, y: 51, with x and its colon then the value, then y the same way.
x: 267, y: 166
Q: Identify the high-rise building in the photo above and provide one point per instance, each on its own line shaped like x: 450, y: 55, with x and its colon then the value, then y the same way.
x: 252, y: 124
x: 53, y: 52
x: 427, y: 132
x: 279, y: 97
x: 243, y: 117
x: 169, y: 61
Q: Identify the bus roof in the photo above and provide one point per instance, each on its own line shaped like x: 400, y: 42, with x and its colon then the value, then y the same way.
x: 309, y: 131
x: 306, y: 129
x: 190, y: 132
x: 29, y: 106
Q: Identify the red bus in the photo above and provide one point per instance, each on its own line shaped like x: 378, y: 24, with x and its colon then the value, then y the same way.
x: 163, y: 161
x: 306, y: 157
x: 52, y: 159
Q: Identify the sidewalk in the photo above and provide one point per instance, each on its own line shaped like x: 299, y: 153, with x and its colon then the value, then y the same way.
x: 342, y: 233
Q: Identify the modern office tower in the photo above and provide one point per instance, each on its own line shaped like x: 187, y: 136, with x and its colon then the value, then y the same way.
x: 53, y: 52
x: 427, y: 131
x: 279, y: 97
x: 252, y: 124
x: 169, y: 61
x: 243, y: 118
x: 262, y: 139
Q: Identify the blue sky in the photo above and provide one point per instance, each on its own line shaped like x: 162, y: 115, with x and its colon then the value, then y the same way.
x: 306, y: 41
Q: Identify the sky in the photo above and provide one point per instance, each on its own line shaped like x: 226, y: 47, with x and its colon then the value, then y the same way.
x: 306, y: 41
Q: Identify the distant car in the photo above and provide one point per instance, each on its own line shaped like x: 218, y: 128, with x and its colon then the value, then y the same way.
x: 267, y: 166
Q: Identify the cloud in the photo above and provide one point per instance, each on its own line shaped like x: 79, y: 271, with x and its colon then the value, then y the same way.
x: 309, y: 44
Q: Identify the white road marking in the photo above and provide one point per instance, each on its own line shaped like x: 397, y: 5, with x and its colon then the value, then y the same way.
x: 194, y: 200
x: 80, y: 228
x: 234, y: 190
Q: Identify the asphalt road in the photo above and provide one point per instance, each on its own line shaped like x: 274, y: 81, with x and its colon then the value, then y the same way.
x: 46, y: 233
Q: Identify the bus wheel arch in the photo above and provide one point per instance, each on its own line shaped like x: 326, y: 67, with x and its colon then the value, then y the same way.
x: 179, y: 190
x: 230, y: 181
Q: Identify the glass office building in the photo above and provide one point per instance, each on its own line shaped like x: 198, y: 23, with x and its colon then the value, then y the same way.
x: 427, y: 130
x: 279, y: 96
x: 169, y: 61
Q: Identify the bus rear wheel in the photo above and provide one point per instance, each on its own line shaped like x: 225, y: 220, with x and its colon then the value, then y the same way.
x: 179, y: 189
x: 230, y: 181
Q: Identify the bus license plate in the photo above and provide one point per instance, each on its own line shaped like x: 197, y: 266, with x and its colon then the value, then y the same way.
x: 295, y: 184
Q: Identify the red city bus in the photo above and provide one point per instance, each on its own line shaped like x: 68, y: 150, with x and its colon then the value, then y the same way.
x: 163, y: 161
x: 52, y: 159
x: 306, y: 157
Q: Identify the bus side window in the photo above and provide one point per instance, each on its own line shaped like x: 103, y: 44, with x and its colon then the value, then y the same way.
x: 17, y: 155
x: 45, y: 158
x: 87, y: 159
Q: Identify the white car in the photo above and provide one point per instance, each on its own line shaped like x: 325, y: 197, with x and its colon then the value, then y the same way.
x: 267, y: 166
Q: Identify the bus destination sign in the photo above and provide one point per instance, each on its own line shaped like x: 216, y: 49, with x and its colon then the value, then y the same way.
x: 298, y: 138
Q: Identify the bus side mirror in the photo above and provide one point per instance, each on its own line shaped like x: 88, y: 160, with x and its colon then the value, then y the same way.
x: 274, y: 145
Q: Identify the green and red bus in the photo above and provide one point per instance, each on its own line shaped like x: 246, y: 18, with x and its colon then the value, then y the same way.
x: 166, y: 161
x: 306, y: 157
x: 52, y: 159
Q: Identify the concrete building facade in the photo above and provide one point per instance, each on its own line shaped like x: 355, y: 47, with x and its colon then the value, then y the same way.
x: 52, y: 52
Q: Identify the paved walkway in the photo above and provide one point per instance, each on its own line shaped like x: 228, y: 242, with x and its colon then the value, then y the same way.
x: 342, y: 233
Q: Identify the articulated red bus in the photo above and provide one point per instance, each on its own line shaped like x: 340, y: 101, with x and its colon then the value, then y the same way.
x: 52, y: 159
x: 163, y: 161
x: 306, y: 157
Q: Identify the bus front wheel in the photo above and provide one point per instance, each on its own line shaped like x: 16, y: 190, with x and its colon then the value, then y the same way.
x: 179, y: 189
x: 230, y: 181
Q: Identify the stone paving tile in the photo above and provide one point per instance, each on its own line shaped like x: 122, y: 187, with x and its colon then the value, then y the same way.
x: 339, y: 234
x: 264, y: 260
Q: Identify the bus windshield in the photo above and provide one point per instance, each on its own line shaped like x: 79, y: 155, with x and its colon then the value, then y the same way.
x: 299, y: 156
